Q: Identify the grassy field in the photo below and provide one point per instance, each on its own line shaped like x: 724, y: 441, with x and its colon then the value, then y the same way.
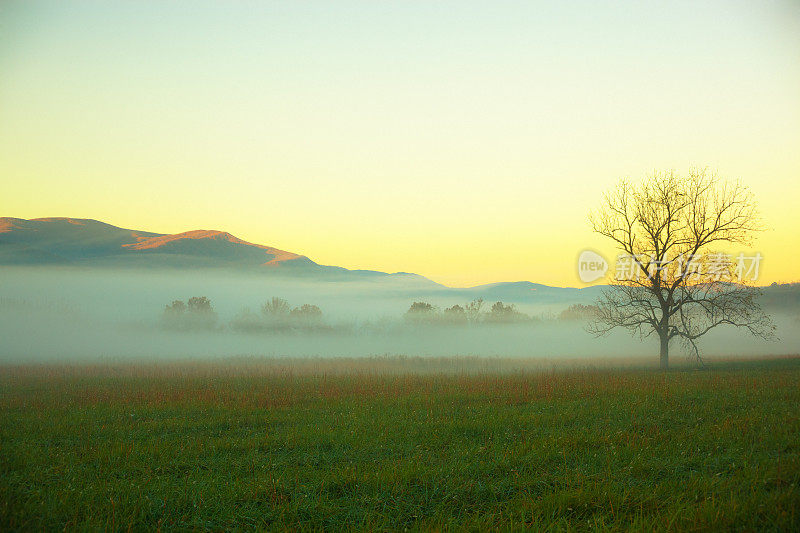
x: 396, y: 443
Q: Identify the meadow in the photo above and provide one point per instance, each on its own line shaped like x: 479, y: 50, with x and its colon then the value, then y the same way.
x: 393, y: 443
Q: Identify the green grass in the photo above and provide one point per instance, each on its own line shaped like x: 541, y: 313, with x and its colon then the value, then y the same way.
x: 368, y: 445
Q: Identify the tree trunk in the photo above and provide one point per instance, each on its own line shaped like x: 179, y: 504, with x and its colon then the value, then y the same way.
x: 664, y: 354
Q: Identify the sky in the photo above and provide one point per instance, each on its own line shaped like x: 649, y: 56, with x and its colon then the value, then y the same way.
x: 464, y: 141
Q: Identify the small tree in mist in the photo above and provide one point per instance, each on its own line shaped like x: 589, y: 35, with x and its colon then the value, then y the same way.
x: 275, y: 314
x: 473, y: 310
x: 666, y: 228
x: 276, y: 307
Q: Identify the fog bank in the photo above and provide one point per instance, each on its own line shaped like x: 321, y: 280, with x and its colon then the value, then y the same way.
x: 58, y: 314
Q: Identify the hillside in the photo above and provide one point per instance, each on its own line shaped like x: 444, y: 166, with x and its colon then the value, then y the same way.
x: 91, y: 243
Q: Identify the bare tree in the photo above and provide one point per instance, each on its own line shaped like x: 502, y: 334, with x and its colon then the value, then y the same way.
x: 276, y: 307
x: 672, y: 279
x: 473, y: 310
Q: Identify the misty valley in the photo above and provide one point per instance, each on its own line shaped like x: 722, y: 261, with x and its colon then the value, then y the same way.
x: 78, y: 314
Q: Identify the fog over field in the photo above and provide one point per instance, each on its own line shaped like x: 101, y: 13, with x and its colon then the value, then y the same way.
x: 69, y: 314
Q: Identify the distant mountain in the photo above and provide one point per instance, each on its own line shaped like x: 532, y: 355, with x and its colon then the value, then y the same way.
x: 523, y: 293
x: 86, y: 242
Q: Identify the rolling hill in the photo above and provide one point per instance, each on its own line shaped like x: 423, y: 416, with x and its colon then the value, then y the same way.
x: 86, y: 242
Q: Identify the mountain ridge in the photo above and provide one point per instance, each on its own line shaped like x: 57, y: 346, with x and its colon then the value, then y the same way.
x: 90, y: 242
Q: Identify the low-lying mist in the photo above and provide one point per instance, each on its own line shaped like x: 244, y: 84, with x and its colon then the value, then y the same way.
x: 62, y: 314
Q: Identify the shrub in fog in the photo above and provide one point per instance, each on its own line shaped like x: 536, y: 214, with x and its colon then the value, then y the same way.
x: 420, y: 313
x: 307, y: 312
x: 278, y: 315
x: 579, y: 312
x: 196, y: 314
x: 454, y: 315
x: 247, y: 321
x: 501, y: 313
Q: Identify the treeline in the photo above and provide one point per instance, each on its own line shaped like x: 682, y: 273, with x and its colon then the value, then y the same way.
x: 477, y: 312
x: 277, y: 315
x: 470, y: 313
x: 195, y: 314
x: 579, y: 312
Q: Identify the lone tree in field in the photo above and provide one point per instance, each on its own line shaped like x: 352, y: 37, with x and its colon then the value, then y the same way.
x: 674, y: 277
